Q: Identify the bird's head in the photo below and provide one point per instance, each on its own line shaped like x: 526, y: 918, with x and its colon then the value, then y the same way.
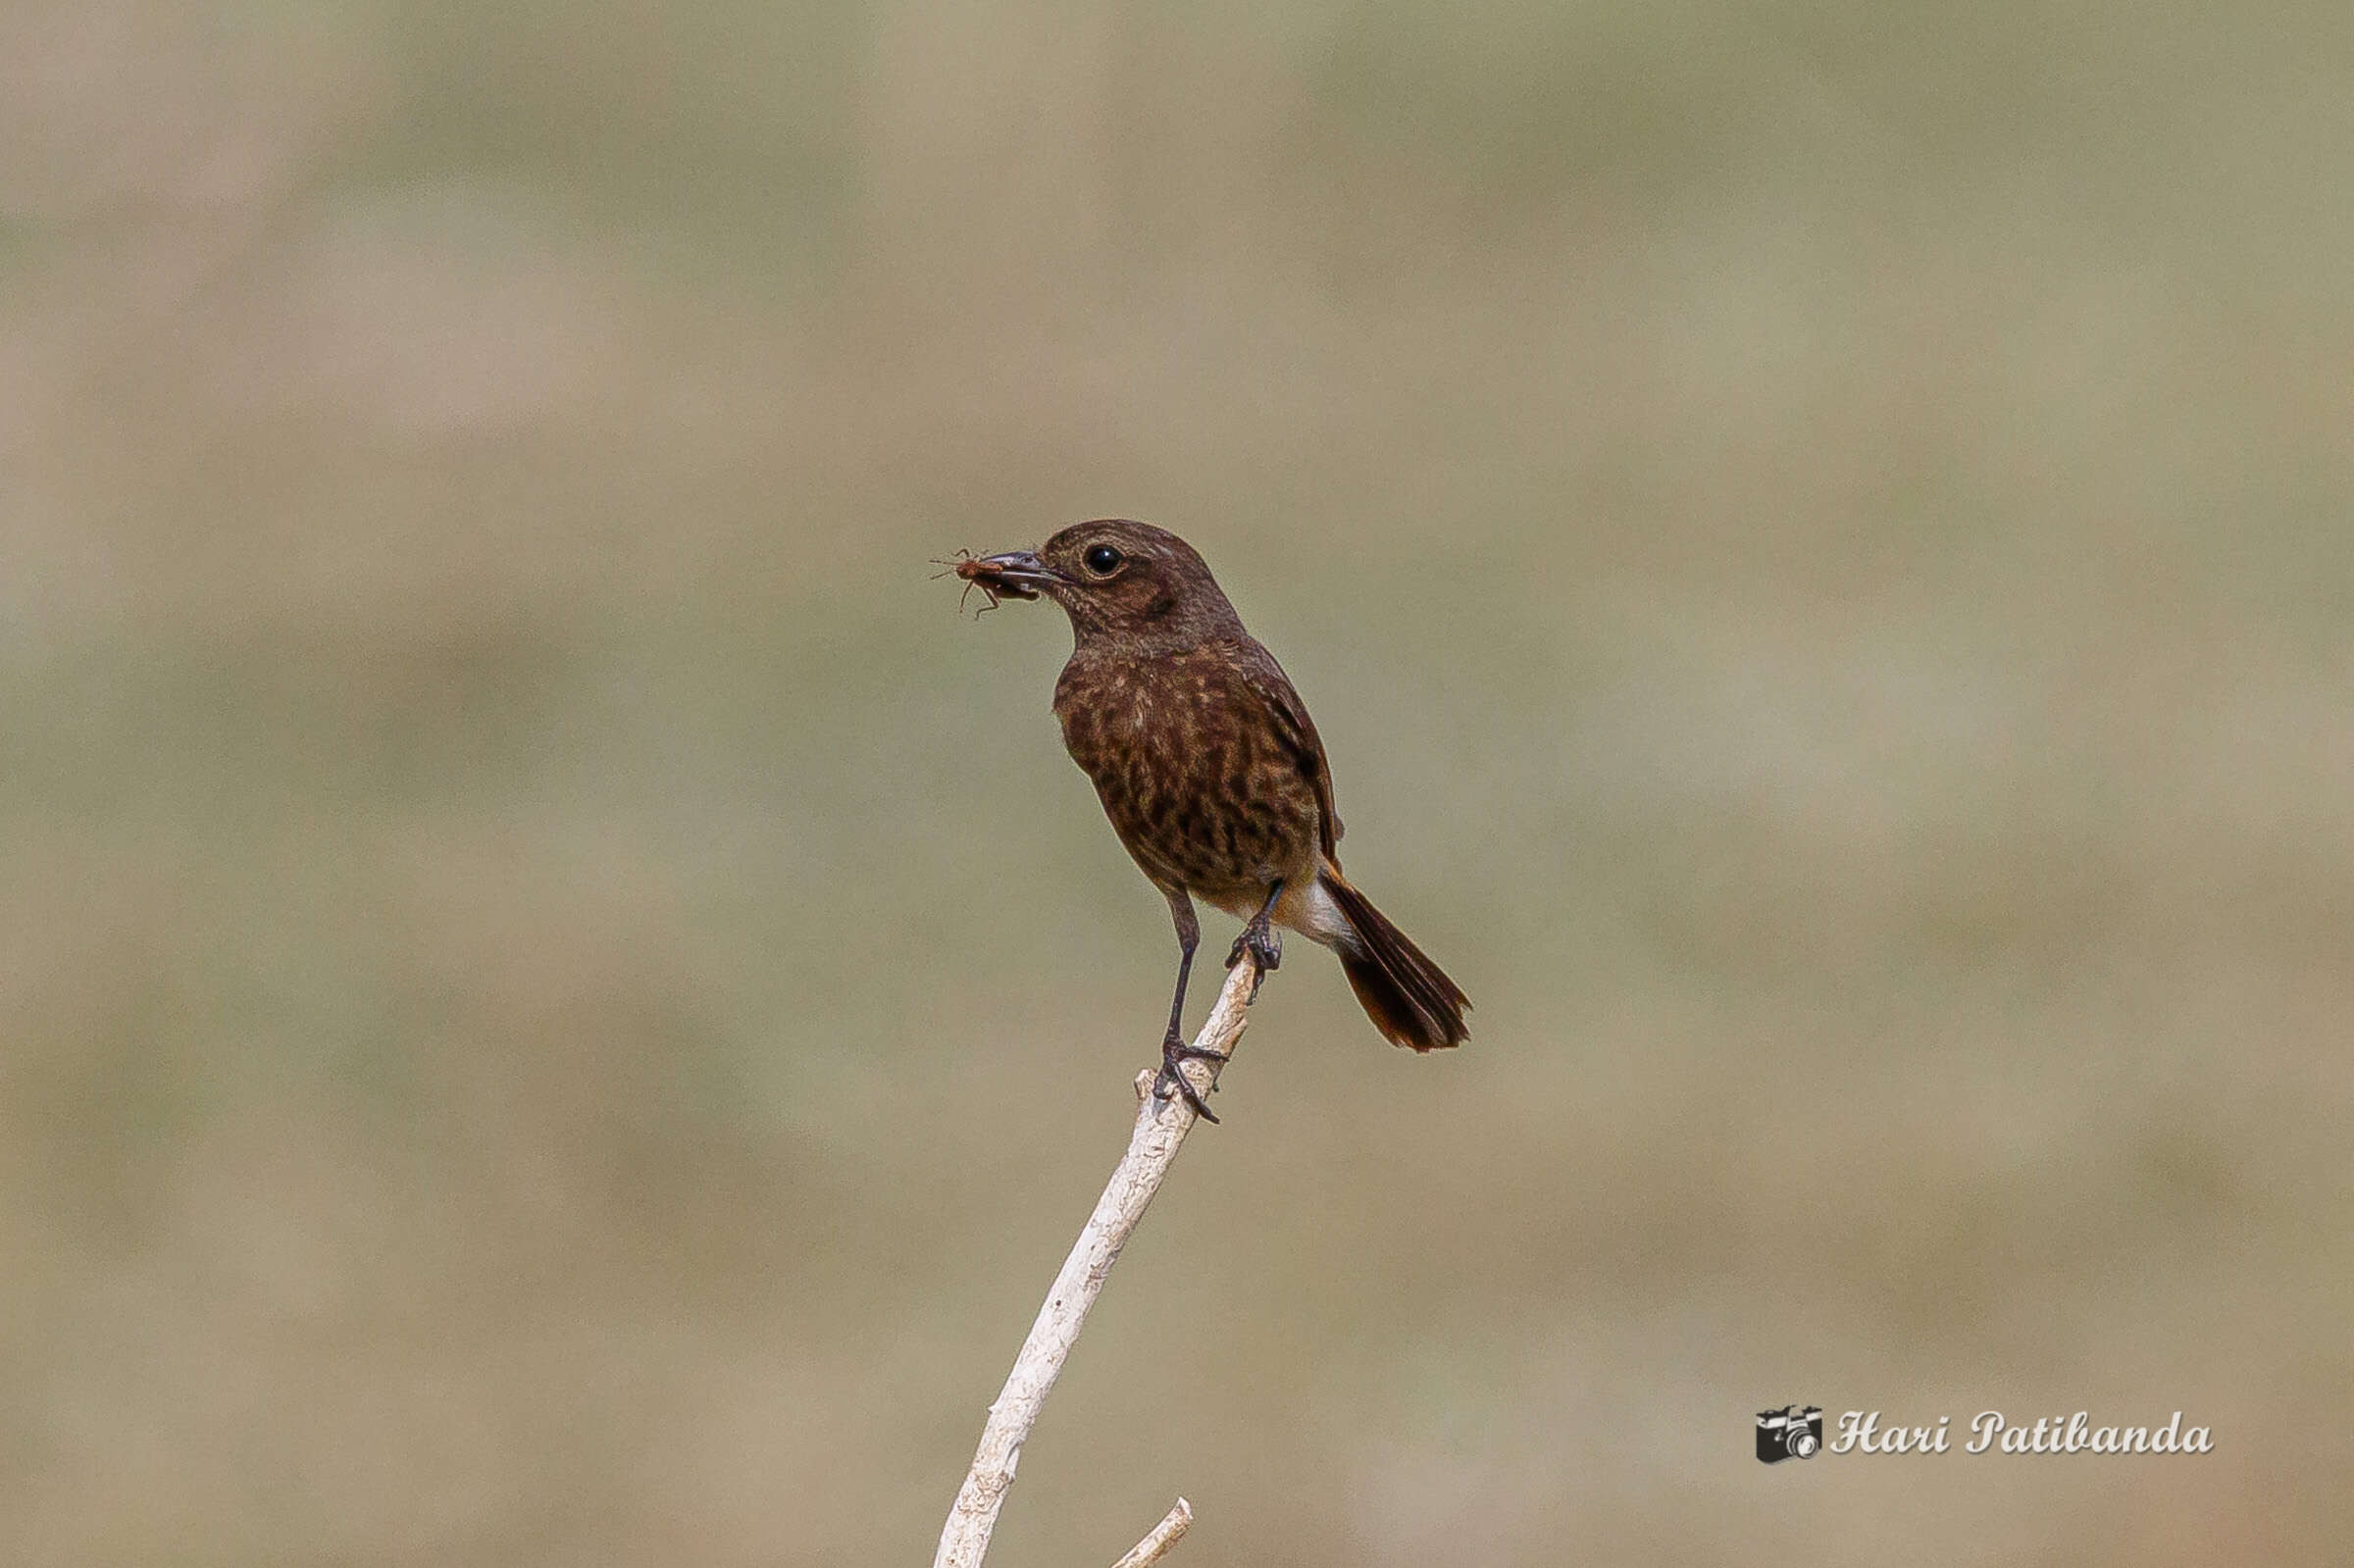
x: 1119, y: 582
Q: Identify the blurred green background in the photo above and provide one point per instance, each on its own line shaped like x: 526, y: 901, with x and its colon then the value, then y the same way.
x: 558, y: 1007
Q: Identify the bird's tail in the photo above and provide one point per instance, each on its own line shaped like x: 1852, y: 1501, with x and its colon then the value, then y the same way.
x: 1410, y: 998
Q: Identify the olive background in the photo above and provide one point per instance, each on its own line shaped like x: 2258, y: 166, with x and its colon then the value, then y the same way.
x: 559, y: 1005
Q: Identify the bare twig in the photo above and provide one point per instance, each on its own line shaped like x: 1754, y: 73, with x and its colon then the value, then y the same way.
x: 1159, y: 1132
x: 1149, y: 1551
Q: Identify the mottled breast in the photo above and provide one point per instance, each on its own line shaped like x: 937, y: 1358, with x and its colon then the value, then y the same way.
x: 1201, y: 776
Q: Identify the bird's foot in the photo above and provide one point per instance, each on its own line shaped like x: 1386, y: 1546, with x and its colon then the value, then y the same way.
x: 1266, y: 949
x: 1171, y: 1080
x: 1259, y: 940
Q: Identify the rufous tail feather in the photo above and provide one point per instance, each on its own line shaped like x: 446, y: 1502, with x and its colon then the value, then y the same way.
x: 1410, y: 998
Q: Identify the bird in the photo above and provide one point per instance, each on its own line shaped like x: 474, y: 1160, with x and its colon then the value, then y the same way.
x: 1211, y: 773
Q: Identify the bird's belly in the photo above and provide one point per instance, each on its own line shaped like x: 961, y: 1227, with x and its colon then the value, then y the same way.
x: 1228, y: 850
x: 1304, y: 906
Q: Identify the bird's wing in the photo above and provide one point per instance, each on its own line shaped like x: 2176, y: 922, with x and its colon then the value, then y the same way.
x: 1264, y: 677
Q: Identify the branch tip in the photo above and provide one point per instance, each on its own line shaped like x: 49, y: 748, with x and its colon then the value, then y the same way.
x: 1164, y: 1535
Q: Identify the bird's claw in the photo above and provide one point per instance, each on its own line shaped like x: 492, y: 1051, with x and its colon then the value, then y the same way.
x: 1171, y: 1078
x: 1264, y: 947
x: 1259, y: 940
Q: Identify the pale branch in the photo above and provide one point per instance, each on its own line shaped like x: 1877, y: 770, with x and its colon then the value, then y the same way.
x: 1150, y: 1550
x: 1160, y: 1129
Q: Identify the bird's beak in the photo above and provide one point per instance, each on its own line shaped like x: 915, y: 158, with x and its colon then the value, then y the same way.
x: 1020, y: 572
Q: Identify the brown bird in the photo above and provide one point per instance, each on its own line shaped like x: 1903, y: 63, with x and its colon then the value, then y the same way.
x: 1211, y: 770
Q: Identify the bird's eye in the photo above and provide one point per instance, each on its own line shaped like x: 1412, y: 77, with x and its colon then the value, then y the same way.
x: 1103, y: 560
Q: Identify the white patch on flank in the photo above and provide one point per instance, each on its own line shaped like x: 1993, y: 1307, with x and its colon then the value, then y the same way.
x: 1321, y: 919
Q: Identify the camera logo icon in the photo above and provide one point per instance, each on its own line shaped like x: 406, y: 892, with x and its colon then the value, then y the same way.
x: 1790, y: 1433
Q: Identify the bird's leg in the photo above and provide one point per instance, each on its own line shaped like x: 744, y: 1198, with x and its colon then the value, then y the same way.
x: 1189, y: 938
x: 1259, y: 940
x: 1173, y: 1047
